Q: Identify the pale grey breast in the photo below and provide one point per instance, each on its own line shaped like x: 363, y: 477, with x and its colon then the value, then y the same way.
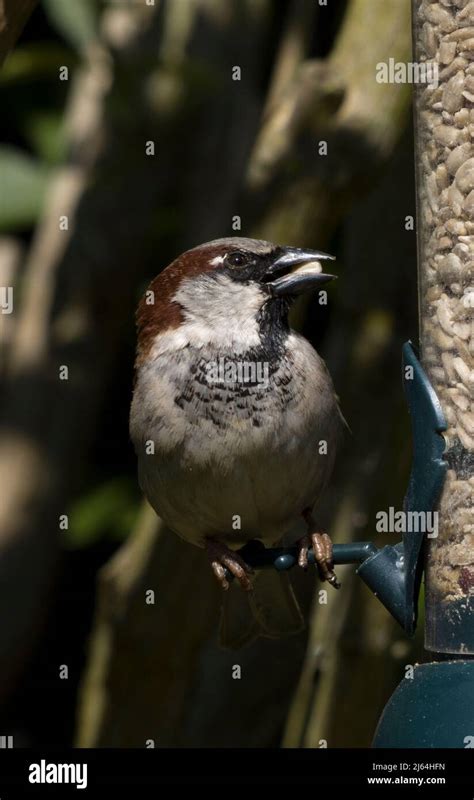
x: 235, y: 459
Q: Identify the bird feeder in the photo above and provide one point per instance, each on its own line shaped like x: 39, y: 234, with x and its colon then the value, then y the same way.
x: 436, y: 708
x: 445, y: 180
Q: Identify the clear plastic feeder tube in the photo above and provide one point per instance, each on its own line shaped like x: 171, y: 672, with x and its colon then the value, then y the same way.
x: 443, y: 34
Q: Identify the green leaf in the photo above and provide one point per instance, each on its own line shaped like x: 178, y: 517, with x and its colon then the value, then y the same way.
x: 23, y: 183
x: 44, y: 131
x: 36, y: 62
x: 109, y: 510
x: 76, y: 20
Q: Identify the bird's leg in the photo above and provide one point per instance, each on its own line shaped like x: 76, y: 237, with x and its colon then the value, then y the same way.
x: 222, y: 558
x: 321, y: 543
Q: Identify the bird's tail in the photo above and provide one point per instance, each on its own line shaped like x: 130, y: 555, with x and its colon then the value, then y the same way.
x: 270, y: 609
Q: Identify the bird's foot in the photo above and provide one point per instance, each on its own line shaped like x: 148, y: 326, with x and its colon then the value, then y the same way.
x: 222, y: 558
x: 321, y: 543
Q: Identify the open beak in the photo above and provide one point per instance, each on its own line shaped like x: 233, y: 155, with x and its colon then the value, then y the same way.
x: 297, y: 271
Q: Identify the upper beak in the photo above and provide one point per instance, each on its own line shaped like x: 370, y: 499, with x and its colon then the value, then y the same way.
x: 298, y: 271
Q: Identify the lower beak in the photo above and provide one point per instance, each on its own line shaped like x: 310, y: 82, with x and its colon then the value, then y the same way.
x: 298, y: 271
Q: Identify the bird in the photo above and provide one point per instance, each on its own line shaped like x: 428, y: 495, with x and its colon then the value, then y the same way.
x: 235, y: 420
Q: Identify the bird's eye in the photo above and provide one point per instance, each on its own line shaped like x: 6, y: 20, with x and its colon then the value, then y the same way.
x: 236, y: 259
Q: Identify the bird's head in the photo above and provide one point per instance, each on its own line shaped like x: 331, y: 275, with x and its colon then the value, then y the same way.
x: 225, y: 291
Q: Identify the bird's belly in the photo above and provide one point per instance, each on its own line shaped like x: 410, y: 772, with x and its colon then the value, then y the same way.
x: 257, y: 497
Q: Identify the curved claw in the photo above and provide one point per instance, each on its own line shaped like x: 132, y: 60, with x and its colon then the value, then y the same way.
x: 322, y: 549
x: 222, y: 558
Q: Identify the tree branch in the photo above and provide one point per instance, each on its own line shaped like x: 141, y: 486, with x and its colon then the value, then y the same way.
x: 13, y: 16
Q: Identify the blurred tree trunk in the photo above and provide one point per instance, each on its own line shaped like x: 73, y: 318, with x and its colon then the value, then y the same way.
x: 132, y: 630
x: 326, y: 139
x: 13, y: 16
x: 92, y: 242
x: 298, y: 198
x: 11, y: 254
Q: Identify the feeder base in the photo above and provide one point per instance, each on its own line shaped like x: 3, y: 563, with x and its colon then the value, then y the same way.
x: 434, y: 709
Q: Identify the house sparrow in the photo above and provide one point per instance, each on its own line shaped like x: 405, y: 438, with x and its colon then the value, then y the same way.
x: 234, y: 418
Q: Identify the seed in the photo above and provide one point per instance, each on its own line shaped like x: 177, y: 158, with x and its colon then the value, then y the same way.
x: 433, y: 293
x: 450, y: 415
x: 445, y: 243
x: 456, y: 227
x: 461, y: 250
x: 450, y: 268
x: 447, y: 51
x: 461, y: 388
x: 467, y: 14
x: 442, y: 340
x: 444, y: 317
x: 467, y: 442
x: 463, y: 330
x: 455, y: 197
x: 461, y: 118
x: 452, y: 94
x: 447, y: 135
x: 440, y: 230
x: 437, y: 374
x: 447, y: 361
x: 468, y: 422
x: 431, y: 119
x: 460, y: 400
x: 440, y: 16
x: 446, y: 212
x: 465, y: 176
x: 457, y: 65
x: 461, y: 33
x: 463, y: 371
x: 457, y: 157
x: 468, y: 204
x: 432, y: 191
x: 428, y: 39
x: 442, y: 180
x: 435, y: 95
